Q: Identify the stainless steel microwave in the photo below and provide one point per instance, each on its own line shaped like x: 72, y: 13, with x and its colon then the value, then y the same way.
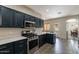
x: 29, y: 24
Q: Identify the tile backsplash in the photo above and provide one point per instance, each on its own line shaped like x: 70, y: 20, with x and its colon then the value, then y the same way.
x: 10, y: 32
x: 13, y: 32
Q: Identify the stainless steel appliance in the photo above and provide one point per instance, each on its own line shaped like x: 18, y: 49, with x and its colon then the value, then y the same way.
x: 29, y: 24
x: 32, y: 42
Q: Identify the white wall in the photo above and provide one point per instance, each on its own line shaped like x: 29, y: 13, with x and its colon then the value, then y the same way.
x: 62, y: 24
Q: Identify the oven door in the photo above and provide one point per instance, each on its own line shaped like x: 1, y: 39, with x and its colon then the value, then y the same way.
x: 33, y: 46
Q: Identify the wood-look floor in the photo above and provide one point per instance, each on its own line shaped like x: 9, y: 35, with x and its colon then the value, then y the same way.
x: 61, y: 47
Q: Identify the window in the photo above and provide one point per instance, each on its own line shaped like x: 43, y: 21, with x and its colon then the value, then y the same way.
x: 46, y: 27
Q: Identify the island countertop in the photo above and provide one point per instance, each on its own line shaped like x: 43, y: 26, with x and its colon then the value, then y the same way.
x: 44, y: 33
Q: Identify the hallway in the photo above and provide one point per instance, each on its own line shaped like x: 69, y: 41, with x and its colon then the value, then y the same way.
x: 61, y: 47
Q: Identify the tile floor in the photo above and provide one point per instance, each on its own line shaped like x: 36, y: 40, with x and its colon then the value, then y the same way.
x: 61, y: 47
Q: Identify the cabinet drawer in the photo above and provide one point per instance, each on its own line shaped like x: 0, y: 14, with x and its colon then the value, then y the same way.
x: 6, y: 51
x: 6, y: 48
x: 19, y: 45
x: 20, y: 42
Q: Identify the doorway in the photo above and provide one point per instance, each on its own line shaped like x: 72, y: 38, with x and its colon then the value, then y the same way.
x: 72, y: 33
x: 72, y: 28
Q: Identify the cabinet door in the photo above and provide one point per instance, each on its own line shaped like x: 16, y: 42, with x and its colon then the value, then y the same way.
x: 27, y: 17
x: 41, y: 41
x: 18, y: 19
x: 20, y: 47
x: 36, y: 22
x: 0, y: 17
x: 50, y: 38
x: 6, y: 48
x: 7, y: 17
x: 41, y: 23
x: 32, y: 18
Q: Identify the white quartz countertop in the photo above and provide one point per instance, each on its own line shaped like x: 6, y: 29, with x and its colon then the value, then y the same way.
x: 11, y: 39
x: 44, y: 33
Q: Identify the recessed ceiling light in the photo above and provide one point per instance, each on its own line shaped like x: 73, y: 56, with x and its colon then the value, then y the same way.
x: 59, y: 12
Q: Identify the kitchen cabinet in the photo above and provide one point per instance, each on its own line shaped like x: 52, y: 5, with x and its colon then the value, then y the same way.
x: 27, y: 17
x: 47, y: 38
x: 11, y: 18
x: 20, y: 47
x: 51, y: 38
x: 39, y: 22
x: 31, y: 18
x: 18, y: 19
x: 42, y: 40
x: 6, y: 48
x: 17, y: 47
x: 0, y: 17
x: 0, y: 20
x: 7, y: 17
x: 15, y: 19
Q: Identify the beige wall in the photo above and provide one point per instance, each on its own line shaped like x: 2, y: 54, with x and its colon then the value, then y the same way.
x: 62, y: 24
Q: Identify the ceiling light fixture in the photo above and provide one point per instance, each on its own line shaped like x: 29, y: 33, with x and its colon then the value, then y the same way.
x: 59, y: 12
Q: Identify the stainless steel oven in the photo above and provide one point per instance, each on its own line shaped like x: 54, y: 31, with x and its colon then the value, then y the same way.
x: 32, y: 41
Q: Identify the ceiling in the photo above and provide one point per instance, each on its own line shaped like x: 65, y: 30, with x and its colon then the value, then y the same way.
x: 55, y: 11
